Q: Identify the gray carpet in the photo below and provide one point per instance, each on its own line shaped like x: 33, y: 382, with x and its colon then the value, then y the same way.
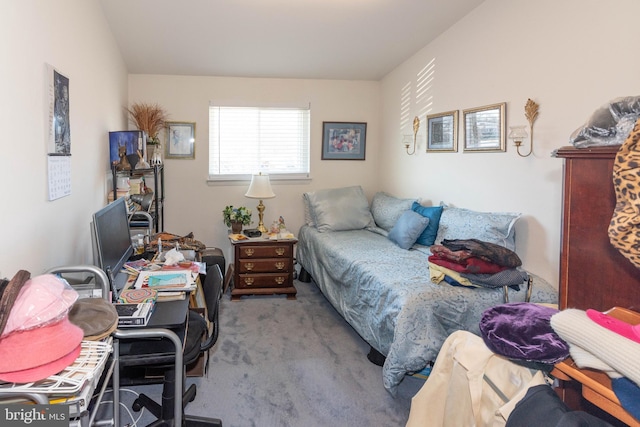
x: 283, y: 363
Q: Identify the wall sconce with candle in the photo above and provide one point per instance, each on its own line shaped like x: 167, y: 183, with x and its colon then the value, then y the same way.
x: 406, y: 139
x: 518, y: 133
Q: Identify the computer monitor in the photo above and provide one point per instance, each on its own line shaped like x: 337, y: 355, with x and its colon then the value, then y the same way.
x: 112, y: 239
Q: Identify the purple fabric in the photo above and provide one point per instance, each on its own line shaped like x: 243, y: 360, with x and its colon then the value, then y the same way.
x: 522, y: 331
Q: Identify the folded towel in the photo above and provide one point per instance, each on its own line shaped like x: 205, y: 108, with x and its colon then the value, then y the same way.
x: 620, y: 353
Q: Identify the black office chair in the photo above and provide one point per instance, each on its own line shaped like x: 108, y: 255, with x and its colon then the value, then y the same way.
x: 200, y: 338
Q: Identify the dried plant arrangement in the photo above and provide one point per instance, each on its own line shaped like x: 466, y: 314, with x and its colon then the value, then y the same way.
x: 149, y: 118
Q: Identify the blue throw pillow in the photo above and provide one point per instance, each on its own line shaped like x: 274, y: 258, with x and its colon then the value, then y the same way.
x: 407, y: 229
x: 428, y: 236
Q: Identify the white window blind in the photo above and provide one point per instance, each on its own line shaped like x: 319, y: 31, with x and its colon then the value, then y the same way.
x: 247, y: 140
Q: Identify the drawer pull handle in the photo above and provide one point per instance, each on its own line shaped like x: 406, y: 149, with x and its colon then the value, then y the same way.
x: 279, y: 280
x: 249, y: 266
x: 249, y: 252
x: 280, y: 251
x: 248, y: 281
x: 280, y: 265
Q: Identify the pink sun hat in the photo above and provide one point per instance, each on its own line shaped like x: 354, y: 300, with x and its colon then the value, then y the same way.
x: 35, y: 354
x: 620, y: 327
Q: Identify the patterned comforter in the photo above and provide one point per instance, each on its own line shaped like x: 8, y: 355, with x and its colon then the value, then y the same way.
x: 385, y: 294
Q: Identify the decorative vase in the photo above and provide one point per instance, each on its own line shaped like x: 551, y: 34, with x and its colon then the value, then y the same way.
x: 236, y: 227
x: 155, y: 154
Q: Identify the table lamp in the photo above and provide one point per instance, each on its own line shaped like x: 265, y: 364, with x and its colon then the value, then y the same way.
x: 260, y: 188
x: 144, y: 200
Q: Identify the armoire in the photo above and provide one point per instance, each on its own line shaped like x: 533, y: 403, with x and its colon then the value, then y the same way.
x: 593, y: 273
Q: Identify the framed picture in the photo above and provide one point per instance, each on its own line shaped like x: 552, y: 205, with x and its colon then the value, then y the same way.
x: 343, y: 141
x: 129, y: 143
x: 181, y: 140
x: 442, y: 132
x: 484, y: 128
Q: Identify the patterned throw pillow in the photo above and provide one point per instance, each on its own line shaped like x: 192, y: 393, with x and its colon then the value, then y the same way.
x: 493, y: 227
x: 386, y: 209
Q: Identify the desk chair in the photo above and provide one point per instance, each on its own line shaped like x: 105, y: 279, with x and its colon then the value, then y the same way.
x: 200, y: 338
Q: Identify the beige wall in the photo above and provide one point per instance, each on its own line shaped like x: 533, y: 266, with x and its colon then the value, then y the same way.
x: 569, y: 56
x: 194, y: 205
x: 71, y: 35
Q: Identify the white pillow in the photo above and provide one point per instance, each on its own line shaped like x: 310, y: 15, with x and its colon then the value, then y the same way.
x: 339, y: 209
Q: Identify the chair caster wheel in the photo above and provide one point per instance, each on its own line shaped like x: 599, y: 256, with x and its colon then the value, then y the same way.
x: 136, y: 406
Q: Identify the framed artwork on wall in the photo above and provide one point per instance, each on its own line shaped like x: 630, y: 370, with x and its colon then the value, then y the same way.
x: 484, y: 128
x: 181, y: 140
x: 442, y: 132
x: 343, y: 140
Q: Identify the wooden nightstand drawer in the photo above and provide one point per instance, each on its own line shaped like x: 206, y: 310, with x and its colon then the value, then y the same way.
x: 263, y: 267
x: 272, y: 251
x: 269, y: 265
x: 265, y: 280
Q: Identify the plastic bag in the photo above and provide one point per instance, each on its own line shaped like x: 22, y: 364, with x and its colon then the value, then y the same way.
x: 43, y: 300
x: 608, y: 125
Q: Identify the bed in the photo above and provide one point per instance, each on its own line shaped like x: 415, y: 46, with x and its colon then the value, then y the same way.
x: 384, y: 291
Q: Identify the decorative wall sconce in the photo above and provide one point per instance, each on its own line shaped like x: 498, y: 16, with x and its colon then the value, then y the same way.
x: 406, y: 139
x: 518, y: 133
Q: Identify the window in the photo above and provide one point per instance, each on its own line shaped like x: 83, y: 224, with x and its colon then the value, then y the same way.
x: 247, y: 140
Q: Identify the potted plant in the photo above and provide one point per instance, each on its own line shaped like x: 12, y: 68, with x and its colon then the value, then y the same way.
x: 236, y: 217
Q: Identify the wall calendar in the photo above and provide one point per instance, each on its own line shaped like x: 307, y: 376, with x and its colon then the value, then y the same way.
x: 59, y: 173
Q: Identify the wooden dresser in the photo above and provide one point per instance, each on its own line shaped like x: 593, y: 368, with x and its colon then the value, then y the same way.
x: 593, y: 273
x: 263, y: 267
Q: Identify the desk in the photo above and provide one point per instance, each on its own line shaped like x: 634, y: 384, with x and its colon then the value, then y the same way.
x: 139, y: 351
x: 595, y: 385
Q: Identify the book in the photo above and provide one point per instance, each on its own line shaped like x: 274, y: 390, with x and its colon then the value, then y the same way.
x: 130, y: 315
x: 176, y: 280
x: 135, y: 296
x: 171, y: 296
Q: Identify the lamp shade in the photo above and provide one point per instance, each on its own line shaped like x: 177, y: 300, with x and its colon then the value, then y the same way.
x: 260, y: 187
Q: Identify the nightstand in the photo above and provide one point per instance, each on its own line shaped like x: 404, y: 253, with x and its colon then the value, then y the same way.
x: 263, y: 267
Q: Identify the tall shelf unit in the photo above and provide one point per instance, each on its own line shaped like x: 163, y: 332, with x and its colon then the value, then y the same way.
x: 157, y: 172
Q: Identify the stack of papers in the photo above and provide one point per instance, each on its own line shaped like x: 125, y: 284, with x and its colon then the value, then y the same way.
x: 166, y: 281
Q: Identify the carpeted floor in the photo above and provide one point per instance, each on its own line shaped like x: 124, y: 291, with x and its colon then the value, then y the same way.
x: 283, y: 363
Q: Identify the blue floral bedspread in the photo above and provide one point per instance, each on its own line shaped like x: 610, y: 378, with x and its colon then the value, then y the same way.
x: 386, y: 295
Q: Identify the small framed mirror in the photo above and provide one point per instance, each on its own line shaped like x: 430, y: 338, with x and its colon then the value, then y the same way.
x: 484, y: 128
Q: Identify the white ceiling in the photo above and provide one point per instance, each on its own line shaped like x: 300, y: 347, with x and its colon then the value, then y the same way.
x: 315, y: 39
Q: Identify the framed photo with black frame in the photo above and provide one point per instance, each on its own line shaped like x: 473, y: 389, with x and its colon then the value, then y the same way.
x: 181, y: 140
x: 344, y: 140
x: 442, y: 132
